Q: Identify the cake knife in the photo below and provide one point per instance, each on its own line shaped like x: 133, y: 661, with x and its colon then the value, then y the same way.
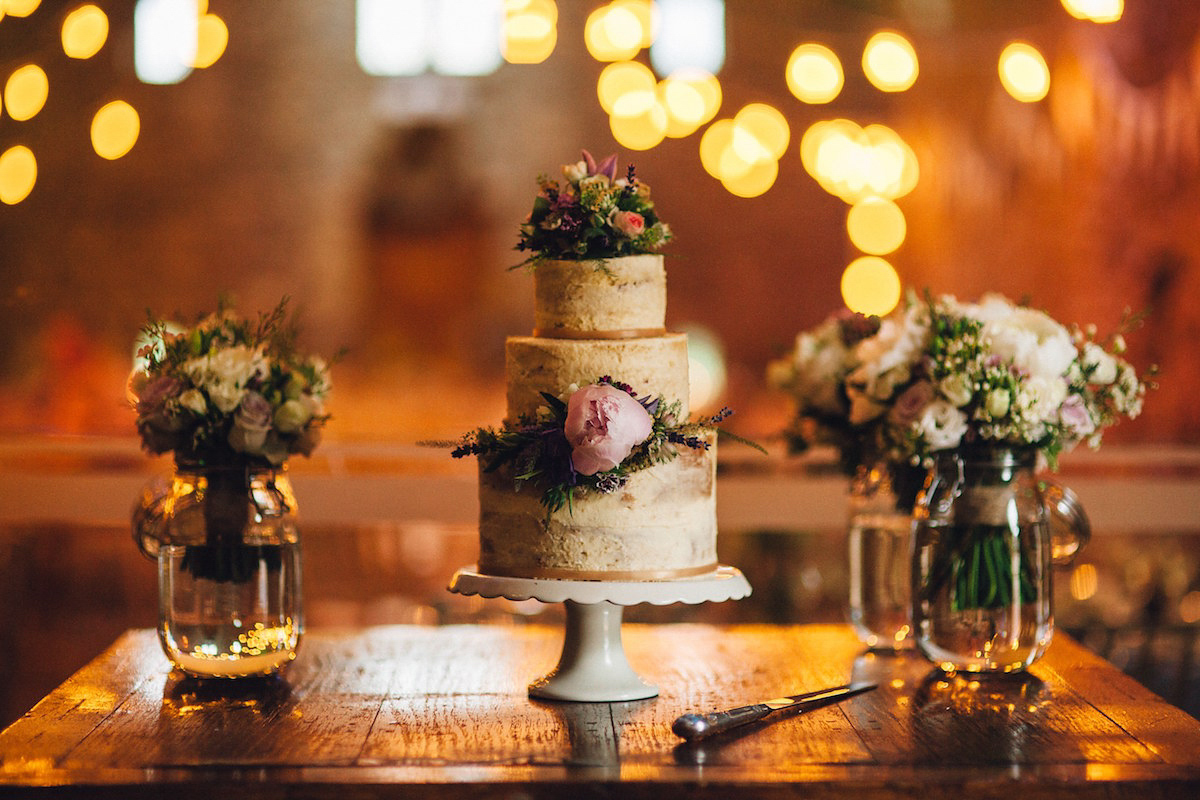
x: 700, y: 726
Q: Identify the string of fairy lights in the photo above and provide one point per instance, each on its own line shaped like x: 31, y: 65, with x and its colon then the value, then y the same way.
x: 868, y: 167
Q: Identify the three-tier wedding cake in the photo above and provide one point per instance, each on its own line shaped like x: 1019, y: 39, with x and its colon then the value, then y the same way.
x: 596, y: 472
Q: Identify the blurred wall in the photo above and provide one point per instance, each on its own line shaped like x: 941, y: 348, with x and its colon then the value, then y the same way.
x: 387, y: 208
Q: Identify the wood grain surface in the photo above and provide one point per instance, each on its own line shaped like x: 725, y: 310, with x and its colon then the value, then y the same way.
x: 411, y: 711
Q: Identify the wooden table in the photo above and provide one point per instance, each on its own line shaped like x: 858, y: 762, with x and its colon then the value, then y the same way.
x: 443, y: 712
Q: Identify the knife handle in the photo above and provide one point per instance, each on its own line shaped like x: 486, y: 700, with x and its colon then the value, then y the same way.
x: 698, y: 726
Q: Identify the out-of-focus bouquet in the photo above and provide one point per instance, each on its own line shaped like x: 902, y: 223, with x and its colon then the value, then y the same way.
x: 591, y: 214
x: 941, y: 374
x: 228, y: 391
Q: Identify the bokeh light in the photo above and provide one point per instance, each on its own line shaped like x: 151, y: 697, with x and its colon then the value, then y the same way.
x: 870, y: 285
x: 768, y: 127
x: 690, y: 34
x: 638, y: 120
x: 115, y: 129
x: 621, y: 78
x: 706, y: 366
x: 18, y: 174
x: 19, y: 8
x: 25, y: 92
x: 854, y: 163
x: 743, y: 153
x: 876, y: 226
x: 890, y: 62
x: 755, y: 181
x: 1095, y: 10
x: 212, y: 36
x: 165, y: 35
x: 529, y: 31
x: 814, y: 74
x: 691, y: 98
x: 1023, y: 72
x: 612, y: 33
x: 84, y: 32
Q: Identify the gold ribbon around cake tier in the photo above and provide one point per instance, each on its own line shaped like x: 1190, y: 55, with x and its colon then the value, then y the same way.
x: 603, y: 575
x: 571, y: 333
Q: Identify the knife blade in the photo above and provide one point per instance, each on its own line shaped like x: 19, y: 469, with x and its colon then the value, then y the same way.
x: 700, y: 726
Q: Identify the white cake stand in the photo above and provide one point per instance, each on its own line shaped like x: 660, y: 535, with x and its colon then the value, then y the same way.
x: 593, y: 667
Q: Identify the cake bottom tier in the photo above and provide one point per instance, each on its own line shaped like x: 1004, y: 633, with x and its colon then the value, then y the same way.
x: 661, y: 524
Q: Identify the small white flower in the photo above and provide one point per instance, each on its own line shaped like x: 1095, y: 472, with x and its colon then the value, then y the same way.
x: 957, y: 389
x: 1103, y: 366
x: 942, y: 425
x: 998, y: 403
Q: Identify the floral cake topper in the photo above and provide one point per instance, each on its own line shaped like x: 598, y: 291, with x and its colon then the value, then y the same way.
x: 591, y: 215
x: 593, y: 441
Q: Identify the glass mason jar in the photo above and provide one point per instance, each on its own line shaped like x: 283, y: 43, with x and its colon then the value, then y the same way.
x: 879, y: 546
x: 984, y: 544
x: 228, y: 553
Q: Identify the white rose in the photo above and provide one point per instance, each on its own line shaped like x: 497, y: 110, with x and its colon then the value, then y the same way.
x: 291, y: 416
x: 998, y: 402
x: 1103, y: 366
x: 1039, y: 399
x: 193, y: 400
x: 942, y: 425
x: 957, y: 389
x: 225, y: 396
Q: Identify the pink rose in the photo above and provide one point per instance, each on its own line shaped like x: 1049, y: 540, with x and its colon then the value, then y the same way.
x: 603, y: 426
x: 911, y: 403
x: 630, y: 223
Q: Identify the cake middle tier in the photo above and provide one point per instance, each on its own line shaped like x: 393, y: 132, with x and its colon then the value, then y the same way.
x: 655, y: 366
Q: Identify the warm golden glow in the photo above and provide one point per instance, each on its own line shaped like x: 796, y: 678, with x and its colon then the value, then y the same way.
x: 115, y: 129
x: 876, y: 226
x: 84, y: 32
x: 1023, y: 72
x: 767, y: 126
x: 638, y: 120
x: 1084, y: 582
x: 814, y: 73
x: 890, y: 62
x: 1189, y: 607
x: 691, y: 98
x: 612, y: 33
x: 755, y: 181
x: 1095, y: 10
x: 25, y: 92
x: 870, y: 285
x: 529, y: 32
x: 18, y: 174
x: 621, y: 78
x: 19, y: 8
x: 211, y: 38
x: 646, y: 15
x: 854, y: 163
x: 714, y: 144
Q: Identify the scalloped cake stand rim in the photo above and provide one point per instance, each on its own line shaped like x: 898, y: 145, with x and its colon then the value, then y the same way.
x: 723, y: 583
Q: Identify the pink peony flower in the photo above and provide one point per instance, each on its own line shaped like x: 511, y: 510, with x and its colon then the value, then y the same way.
x: 1073, y: 414
x: 629, y: 223
x: 603, y: 426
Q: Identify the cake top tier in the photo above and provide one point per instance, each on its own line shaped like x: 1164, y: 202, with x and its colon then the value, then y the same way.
x: 617, y: 298
x: 591, y: 214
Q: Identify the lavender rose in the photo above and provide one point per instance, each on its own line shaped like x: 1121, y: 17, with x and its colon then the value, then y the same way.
x: 155, y: 394
x: 603, y: 426
x: 911, y: 403
x: 251, y: 424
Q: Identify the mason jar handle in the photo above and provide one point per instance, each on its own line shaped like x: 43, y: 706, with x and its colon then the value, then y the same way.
x: 148, y: 517
x: 1070, y: 528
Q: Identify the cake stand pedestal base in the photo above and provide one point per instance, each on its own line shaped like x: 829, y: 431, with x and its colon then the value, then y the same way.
x: 593, y: 667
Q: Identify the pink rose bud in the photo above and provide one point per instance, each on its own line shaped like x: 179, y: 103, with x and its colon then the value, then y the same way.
x: 629, y: 223
x: 603, y: 426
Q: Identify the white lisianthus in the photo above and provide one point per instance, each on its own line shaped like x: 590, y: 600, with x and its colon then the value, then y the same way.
x: 957, y: 389
x: 193, y: 400
x: 942, y: 425
x: 1040, y: 398
x: 1102, y: 365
